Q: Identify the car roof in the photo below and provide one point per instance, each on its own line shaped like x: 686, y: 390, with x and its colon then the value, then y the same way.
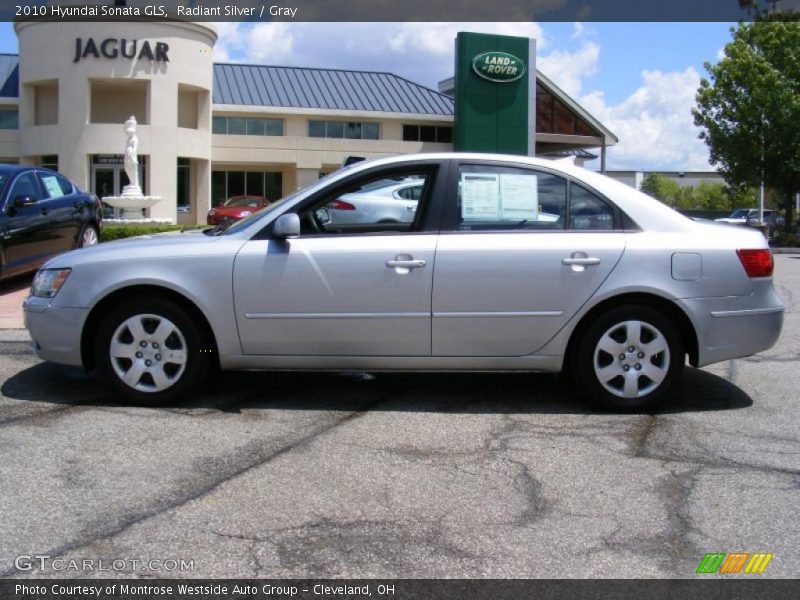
x: 7, y: 169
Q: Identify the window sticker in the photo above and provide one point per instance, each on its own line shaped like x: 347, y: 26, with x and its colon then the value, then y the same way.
x: 480, y: 196
x: 519, y: 198
x: 52, y: 186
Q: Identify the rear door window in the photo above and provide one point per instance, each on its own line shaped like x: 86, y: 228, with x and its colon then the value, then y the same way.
x: 587, y: 211
x: 508, y: 198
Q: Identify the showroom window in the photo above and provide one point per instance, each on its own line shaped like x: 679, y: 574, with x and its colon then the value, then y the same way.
x: 552, y: 116
x: 225, y: 184
x: 9, y: 119
x: 428, y: 133
x: 344, y: 129
x: 247, y: 126
x: 50, y: 161
x: 184, y: 182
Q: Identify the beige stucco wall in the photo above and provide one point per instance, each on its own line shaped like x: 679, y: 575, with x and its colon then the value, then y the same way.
x: 46, y: 52
x: 46, y: 103
x: 114, y: 103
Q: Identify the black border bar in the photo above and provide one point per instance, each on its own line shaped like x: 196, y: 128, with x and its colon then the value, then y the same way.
x: 391, y: 10
x: 712, y: 588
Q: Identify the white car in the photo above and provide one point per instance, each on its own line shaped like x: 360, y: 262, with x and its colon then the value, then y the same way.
x: 742, y: 216
x: 388, y: 201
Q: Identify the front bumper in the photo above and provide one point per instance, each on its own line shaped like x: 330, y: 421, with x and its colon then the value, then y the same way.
x: 736, y: 326
x: 56, y: 332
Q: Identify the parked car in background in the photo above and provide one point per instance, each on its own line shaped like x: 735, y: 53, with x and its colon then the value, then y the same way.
x: 509, y: 264
x: 749, y: 216
x: 387, y: 201
x: 43, y: 214
x: 743, y: 216
x: 235, y: 208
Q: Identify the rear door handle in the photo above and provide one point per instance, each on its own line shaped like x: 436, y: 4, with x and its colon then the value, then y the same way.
x: 582, y: 261
x: 405, y: 264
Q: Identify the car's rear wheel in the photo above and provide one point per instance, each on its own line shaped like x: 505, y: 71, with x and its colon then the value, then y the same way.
x: 628, y: 358
x: 151, y: 351
x: 88, y: 236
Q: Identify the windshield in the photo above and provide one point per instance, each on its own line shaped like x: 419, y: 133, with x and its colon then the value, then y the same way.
x: 251, y: 201
x: 739, y: 214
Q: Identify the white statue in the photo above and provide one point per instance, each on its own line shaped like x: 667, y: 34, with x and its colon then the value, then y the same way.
x: 131, y: 159
x: 131, y: 201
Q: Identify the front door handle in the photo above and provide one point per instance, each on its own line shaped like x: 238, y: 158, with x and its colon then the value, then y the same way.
x: 583, y: 261
x: 405, y: 264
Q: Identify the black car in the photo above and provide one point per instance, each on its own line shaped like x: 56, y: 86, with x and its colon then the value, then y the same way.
x: 43, y: 213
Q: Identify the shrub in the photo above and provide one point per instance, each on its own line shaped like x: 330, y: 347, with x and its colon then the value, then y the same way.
x: 117, y: 232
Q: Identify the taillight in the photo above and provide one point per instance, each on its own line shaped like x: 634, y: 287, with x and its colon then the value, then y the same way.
x: 756, y: 263
x: 341, y: 205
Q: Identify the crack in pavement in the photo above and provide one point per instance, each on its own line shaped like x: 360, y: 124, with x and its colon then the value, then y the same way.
x: 672, y: 543
x: 257, y: 455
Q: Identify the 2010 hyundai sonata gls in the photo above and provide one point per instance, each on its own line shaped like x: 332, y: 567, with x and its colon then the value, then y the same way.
x: 506, y: 264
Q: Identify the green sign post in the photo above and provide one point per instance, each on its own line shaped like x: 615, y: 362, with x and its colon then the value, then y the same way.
x: 495, y: 87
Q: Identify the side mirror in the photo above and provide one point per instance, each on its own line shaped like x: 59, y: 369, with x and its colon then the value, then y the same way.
x: 286, y: 226
x: 220, y: 204
x: 23, y: 201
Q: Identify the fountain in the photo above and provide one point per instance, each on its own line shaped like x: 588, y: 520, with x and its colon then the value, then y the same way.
x: 132, y: 200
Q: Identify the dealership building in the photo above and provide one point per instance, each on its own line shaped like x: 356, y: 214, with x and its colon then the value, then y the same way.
x: 208, y: 131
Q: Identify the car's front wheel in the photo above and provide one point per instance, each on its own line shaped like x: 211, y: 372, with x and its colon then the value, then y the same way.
x: 628, y: 358
x: 88, y: 236
x: 151, y: 351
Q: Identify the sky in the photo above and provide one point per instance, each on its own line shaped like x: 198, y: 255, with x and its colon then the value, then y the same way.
x: 638, y: 79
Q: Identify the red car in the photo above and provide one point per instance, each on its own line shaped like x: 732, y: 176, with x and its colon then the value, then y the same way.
x: 235, y: 208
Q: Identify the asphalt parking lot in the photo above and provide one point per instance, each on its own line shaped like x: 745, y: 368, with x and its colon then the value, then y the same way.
x: 297, y: 475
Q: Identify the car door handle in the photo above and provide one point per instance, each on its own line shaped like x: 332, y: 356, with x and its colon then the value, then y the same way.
x: 583, y: 261
x: 405, y: 264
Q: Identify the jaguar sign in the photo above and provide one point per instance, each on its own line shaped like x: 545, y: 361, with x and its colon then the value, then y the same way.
x: 114, y: 48
x: 501, y: 67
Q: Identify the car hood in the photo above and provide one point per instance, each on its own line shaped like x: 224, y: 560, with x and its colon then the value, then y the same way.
x: 173, y: 244
x: 233, y: 210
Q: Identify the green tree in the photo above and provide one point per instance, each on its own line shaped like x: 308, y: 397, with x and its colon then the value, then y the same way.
x: 661, y: 188
x: 712, y: 196
x: 749, y: 109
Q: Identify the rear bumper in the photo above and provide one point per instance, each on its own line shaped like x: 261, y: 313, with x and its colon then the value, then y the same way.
x: 733, y: 327
x: 56, y: 332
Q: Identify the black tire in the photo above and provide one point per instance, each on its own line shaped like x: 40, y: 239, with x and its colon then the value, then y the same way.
x: 611, y: 380
x: 183, y: 375
x: 82, y: 236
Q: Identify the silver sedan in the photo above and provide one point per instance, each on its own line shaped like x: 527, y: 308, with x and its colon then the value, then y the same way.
x: 509, y: 264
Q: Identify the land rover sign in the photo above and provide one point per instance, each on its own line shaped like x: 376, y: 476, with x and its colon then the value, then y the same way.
x: 498, y: 66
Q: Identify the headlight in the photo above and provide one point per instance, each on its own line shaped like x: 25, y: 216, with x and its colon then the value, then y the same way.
x: 245, y: 213
x: 212, y: 212
x: 48, y: 281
